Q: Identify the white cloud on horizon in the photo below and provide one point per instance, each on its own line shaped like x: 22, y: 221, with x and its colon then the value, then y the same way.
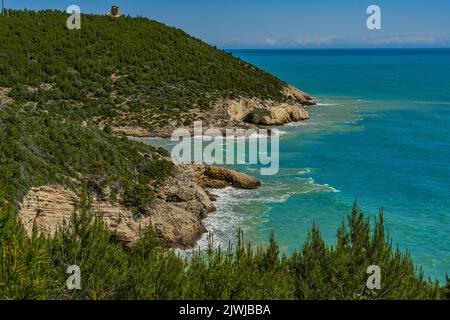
x: 270, y: 42
x: 315, y: 41
x: 334, y: 41
x: 406, y: 40
x: 371, y: 41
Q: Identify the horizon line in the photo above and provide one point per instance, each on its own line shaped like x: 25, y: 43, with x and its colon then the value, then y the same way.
x: 342, y: 48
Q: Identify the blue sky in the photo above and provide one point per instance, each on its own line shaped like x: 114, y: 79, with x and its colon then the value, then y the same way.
x: 285, y: 23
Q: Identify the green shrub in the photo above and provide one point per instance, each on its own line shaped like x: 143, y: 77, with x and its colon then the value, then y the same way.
x: 39, y: 149
x: 138, y: 197
x: 35, y: 268
x: 131, y: 66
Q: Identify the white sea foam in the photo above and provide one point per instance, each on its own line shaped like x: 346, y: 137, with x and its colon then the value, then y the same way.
x: 223, y: 224
x: 276, y: 199
x: 318, y: 187
x: 254, y: 136
x: 300, y: 123
x: 326, y: 104
x: 356, y: 121
x: 304, y: 171
x: 332, y: 189
x: 237, y: 208
x: 267, y: 135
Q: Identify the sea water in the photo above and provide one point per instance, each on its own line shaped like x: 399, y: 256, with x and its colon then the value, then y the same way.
x: 380, y: 133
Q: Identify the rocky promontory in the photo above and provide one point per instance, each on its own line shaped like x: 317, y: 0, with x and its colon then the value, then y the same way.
x: 181, y: 203
x: 218, y: 178
x: 156, y: 80
x: 242, y: 113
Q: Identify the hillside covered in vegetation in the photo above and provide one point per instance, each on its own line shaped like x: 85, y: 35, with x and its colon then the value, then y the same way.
x: 125, y: 72
x: 36, y: 268
x: 38, y: 149
x: 57, y: 86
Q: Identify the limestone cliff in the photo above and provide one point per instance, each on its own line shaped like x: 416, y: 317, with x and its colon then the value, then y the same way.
x: 218, y: 178
x: 243, y: 112
x: 176, y: 215
x: 268, y: 112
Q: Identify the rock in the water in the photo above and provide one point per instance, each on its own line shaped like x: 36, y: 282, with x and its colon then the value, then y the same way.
x: 219, y: 178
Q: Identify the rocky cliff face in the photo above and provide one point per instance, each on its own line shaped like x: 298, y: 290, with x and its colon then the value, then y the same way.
x: 48, y: 207
x: 268, y: 112
x: 219, y: 178
x: 277, y: 115
x: 246, y: 113
x: 176, y: 215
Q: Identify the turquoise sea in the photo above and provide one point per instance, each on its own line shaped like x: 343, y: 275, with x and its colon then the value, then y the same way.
x: 379, y: 134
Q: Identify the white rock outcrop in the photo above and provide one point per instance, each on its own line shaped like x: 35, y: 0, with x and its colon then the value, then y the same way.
x: 176, y: 215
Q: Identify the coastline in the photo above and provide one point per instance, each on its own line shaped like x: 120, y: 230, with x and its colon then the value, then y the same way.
x: 241, y: 113
x: 182, y: 203
x: 219, y: 192
x: 95, y: 203
x: 215, y: 180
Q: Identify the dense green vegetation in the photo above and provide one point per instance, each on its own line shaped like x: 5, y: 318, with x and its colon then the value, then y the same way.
x: 127, y: 71
x: 38, y: 149
x: 133, y: 71
x: 36, y: 268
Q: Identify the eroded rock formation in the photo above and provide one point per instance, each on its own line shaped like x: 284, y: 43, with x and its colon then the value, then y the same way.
x: 268, y: 112
x: 47, y: 208
x: 218, y: 178
x: 245, y: 113
x: 176, y: 214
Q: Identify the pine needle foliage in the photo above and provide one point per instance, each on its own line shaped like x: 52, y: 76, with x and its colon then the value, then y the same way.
x: 35, y: 268
x: 127, y: 71
x: 38, y: 149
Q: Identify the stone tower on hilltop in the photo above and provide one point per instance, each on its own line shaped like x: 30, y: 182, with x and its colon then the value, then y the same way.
x: 115, y: 12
